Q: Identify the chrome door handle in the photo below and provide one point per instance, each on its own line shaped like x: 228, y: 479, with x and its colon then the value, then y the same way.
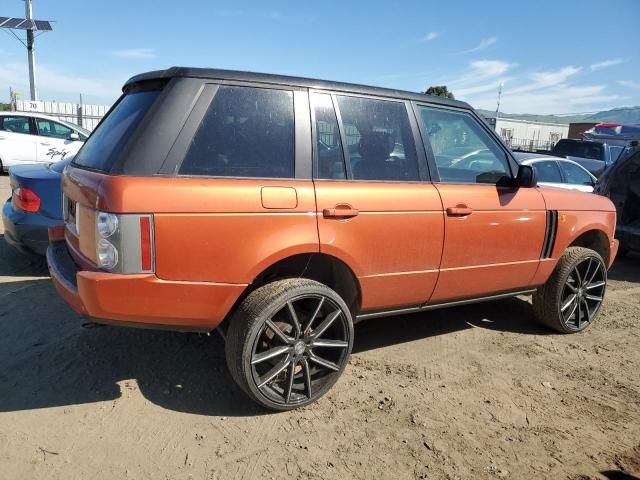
x: 340, y: 212
x: 459, y: 211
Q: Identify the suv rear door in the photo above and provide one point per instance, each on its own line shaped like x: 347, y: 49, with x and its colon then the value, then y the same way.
x: 493, y: 233
x: 376, y: 211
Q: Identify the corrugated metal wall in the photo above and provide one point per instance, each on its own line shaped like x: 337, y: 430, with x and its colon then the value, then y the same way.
x: 86, y: 116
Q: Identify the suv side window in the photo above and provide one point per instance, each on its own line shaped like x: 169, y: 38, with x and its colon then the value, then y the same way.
x: 246, y: 132
x: 548, y: 172
x: 379, y: 140
x: 463, y: 151
x: 575, y: 175
x: 47, y: 128
x: 329, y: 153
x: 15, y: 124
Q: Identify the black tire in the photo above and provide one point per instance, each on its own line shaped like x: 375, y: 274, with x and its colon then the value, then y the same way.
x: 302, y: 311
x: 569, y: 303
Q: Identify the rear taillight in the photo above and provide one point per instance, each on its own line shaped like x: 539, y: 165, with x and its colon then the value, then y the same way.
x: 124, y: 242
x: 25, y: 199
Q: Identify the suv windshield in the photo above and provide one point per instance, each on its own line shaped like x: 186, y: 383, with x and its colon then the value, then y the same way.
x: 108, y: 140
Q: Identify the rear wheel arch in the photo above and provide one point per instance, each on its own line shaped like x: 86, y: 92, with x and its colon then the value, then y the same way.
x: 323, y: 268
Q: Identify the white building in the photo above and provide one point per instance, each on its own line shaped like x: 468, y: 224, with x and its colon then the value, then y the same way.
x: 529, y: 135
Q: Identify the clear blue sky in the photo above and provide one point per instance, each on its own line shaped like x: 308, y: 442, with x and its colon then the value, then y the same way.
x: 552, y: 56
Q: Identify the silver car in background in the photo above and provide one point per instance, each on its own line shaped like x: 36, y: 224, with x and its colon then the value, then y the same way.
x: 558, y: 172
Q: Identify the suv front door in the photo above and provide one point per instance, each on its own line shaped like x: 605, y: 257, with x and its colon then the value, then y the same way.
x: 493, y: 233
x: 374, y: 210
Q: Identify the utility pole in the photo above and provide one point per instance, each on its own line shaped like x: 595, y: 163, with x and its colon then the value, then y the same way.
x: 30, y: 26
x: 28, y: 11
x: 499, y: 95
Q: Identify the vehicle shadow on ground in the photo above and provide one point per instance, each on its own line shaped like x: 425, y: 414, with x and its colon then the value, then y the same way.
x: 48, y: 360
x: 509, y: 315
x: 16, y: 264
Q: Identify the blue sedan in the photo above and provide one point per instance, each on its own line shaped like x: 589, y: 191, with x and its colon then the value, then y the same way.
x: 34, y: 206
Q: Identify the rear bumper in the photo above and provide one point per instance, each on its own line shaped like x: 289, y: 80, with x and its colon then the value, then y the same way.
x: 140, y: 300
x: 26, y: 231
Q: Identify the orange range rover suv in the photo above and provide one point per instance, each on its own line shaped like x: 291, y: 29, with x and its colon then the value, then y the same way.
x: 283, y: 210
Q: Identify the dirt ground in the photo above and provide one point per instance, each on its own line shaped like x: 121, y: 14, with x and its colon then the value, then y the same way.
x: 472, y: 392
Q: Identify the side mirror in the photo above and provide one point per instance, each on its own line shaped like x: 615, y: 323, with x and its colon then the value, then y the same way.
x: 527, y: 177
x: 74, y: 137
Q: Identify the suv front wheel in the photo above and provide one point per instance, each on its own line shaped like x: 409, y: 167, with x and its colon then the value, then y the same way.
x: 571, y: 299
x: 288, y: 342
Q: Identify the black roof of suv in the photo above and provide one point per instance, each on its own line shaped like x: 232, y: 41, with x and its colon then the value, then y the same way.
x: 218, y: 74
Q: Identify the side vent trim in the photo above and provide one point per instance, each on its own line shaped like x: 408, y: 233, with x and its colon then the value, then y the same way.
x: 550, y: 234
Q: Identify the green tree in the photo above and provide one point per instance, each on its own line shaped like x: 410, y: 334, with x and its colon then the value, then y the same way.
x: 4, y: 107
x: 440, y: 91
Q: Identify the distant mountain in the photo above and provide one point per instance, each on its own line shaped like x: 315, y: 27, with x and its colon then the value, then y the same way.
x: 616, y: 115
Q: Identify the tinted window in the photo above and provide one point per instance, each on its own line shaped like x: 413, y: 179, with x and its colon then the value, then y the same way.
x: 379, y: 139
x: 247, y: 132
x: 47, y: 128
x: 463, y: 151
x: 572, y: 148
x: 329, y: 153
x: 106, y: 143
x: 15, y: 124
x: 575, y: 175
x: 548, y: 172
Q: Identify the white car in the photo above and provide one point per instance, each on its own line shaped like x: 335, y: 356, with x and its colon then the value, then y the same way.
x: 558, y: 172
x: 35, y: 138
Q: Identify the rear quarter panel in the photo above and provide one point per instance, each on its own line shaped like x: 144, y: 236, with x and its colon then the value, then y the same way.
x: 215, y: 229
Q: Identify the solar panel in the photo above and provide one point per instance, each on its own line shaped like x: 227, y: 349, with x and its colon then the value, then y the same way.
x: 43, y: 25
x: 13, y: 22
x: 25, y: 24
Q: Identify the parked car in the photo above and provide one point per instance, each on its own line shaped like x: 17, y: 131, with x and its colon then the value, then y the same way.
x: 27, y: 138
x: 592, y: 155
x: 558, y: 172
x: 34, y: 206
x: 212, y: 198
x: 613, y: 134
x: 621, y: 183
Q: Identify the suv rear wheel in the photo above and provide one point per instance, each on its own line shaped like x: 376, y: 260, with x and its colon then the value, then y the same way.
x: 570, y: 300
x: 289, y: 342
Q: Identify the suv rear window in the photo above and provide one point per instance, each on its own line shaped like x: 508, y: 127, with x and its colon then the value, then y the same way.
x: 107, y: 142
x: 247, y: 132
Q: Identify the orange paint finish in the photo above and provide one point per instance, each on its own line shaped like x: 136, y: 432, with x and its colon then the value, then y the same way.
x: 231, y: 248
x: 407, y: 243
x: 572, y: 224
x: 146, y: 299
x: 396, y: 290
x: 279, y: 197
x: 195, y: 195
x: 494, y: 248
x: 398, y: 229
